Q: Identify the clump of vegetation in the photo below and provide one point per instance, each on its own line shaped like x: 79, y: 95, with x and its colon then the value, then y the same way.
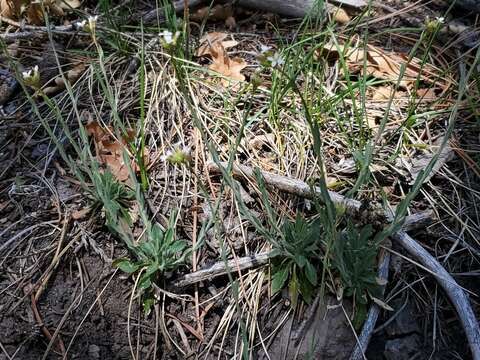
x: 300, y: 251
x: 157, y: 252
x: 354, y: 259
x: 297, y: 255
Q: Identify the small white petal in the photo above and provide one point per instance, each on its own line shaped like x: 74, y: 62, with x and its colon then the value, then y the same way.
x: 264, y: 48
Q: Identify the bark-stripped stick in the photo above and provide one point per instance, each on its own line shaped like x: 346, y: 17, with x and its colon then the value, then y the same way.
x: 249, y: 262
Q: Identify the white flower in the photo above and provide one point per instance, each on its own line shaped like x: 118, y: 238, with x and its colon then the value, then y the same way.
x: 165, y: 156
x: 27, y: 74
x: 276, y: 59
x: 178, y: 155
x: 264, y: 49
x: 440, y: 19
x: 169, y: 37
x: 81, y: 24
x: 32, y: 77
x: 92, y: 23
x: 30, y: 73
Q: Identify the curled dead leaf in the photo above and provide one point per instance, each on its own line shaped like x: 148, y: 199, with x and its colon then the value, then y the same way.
x: 374, y: 61
x: 213, y: 45
x: 109, y: 150
x: 339, y: 14
x: 230, y: 68
x: 10, y: 9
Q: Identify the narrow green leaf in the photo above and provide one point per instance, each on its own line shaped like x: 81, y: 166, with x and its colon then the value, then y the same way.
x: 279, y: 278
x: 178, y: 246
x: 293, y: 289
x: 125, y: 265
x: 144, y: 282
x: 147, y: 305
x: 300, y: 260
x: 311, y: 273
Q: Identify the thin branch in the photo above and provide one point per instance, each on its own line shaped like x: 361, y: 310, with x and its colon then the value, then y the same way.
x: 222, y: 268
x: 455, y: 293
x: 158, y: 14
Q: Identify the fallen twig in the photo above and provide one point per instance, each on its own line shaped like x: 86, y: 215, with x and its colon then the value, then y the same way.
x: 158, y: 14
x: 289, y: 185
x: 41, y: 324
x: 454, y: 292
x: 222, y: 267
x: 253, y: 261
x: 29, y: 31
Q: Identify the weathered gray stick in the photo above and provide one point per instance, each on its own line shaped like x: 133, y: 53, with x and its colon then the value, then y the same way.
x: 220, y: 268
x: 289, y: 185
x: 454, y: 292
x: 373, y: 313
x: 295, y: 8
x: 159, y: 13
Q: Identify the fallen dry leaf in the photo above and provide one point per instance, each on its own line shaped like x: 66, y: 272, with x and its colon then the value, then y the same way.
x: 213, y: 45
x: 230, y: 68
x: 109, y: 151
x: 339, y: 14
x: 427, y: 94
x: 385, y: 91
x: 72, y: 76
x: 10, y: 8
x: 382, y: 93
x: 381, y: 64
x: 33, y: 11
x: 34, y: 14
x: 69, y: 4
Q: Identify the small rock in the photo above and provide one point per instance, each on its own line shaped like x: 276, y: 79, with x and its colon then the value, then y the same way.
x: 94, y: 351
x: 404, y: 323
x: 404, y: 348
